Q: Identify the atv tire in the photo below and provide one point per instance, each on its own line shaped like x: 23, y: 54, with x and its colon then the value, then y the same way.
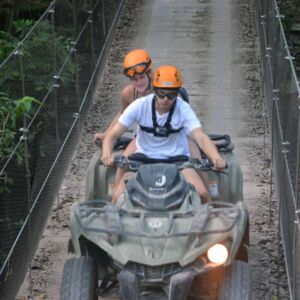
x: 79, y: 279
x: 236, y: 284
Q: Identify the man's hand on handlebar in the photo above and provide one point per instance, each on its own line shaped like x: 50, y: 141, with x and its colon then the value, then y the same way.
x: 107, y: 160
x: 219, y: 164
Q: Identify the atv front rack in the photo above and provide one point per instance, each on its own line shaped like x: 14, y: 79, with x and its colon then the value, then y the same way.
x: 108, y: 218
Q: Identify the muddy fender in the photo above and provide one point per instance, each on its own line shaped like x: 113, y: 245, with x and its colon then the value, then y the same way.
x: 229, y: 182
x: 97, y: 179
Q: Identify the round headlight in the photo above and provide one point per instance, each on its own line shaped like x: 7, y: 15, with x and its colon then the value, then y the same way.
x: 217, y: 254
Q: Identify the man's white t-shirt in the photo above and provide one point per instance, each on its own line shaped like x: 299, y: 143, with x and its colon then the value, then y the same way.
x: 140, y: 112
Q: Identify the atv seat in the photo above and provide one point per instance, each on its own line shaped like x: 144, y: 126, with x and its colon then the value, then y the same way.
x: 122, y: 143
x: 222, y: 142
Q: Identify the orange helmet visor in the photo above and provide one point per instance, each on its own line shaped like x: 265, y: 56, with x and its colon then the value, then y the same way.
x: 137, y: 69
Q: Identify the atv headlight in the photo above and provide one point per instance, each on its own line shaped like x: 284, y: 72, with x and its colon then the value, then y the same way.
x: 217, y: 254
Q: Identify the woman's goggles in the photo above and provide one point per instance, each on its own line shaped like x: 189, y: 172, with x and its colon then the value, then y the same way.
x: 137, y: 69
x: 170, y: 94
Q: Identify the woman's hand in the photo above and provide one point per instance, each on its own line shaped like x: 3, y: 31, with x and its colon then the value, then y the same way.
x: 98, y: 136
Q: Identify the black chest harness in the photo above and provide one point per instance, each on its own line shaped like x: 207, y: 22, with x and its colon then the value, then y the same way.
x: 166, y: 129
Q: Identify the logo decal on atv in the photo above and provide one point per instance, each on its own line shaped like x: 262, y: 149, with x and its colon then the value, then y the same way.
x: 161, y: 181
x: 154, y: 223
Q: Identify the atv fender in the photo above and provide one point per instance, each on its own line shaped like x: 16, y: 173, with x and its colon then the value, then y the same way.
x: 230, y: 181
x: 98, y: 178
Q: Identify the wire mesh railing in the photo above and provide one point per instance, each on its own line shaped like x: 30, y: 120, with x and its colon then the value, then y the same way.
x: 282, y: 101
x: 46, y: 87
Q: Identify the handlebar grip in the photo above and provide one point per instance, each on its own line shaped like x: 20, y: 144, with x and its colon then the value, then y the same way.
x: 119, y: 159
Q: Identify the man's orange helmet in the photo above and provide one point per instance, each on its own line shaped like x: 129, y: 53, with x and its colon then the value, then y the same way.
x: 136, y: 61
x: 167, y: 77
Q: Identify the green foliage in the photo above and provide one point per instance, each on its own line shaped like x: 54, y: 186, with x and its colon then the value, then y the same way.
x: 38, y: 59
x: 50, y: 48
x: 22, y: 26
x: 7, y: 44
x: 42, y: 53
x: 289, y: 10
x: 11, y: 116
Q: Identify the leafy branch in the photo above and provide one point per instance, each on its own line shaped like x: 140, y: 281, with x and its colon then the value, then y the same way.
x: 11, y: 116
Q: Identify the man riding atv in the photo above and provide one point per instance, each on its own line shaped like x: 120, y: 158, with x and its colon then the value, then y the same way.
x: 164, y: 123
x: 159, y: 240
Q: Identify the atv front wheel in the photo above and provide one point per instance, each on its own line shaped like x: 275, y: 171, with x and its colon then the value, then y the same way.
x: 236, y: 284
x: 79, y: 279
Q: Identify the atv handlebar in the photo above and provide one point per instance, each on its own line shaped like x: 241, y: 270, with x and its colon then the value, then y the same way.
x: 134, y: 161
x: 137, y: 159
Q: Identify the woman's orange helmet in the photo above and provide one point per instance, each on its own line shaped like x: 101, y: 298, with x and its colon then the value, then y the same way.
x: 137, y: 61
x: 167, y: 77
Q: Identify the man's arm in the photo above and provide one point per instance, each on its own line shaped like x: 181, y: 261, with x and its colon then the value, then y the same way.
x: 208, y: 147
x: 109, y: 141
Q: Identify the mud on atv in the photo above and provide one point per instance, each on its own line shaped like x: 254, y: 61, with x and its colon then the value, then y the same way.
x: 159, y: 241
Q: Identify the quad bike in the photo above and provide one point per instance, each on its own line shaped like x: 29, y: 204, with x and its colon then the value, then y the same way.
x: 159, y: 241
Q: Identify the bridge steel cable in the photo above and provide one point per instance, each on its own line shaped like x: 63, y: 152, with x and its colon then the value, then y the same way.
x: 282, y: 100
x: 51, y: 76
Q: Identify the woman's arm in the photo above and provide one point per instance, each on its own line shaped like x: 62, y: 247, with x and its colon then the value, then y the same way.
x: 126, y: 99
